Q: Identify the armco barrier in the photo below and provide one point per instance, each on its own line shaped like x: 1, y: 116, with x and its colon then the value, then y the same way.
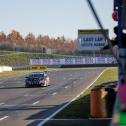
x: 89, y: 65
x: 67, y: 66
x: 30, y: 67
x: 21, y: 68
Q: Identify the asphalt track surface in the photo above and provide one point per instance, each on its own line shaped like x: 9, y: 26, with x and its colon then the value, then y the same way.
x: 20, y: 106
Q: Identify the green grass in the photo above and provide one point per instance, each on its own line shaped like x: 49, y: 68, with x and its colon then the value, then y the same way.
x: 13, y: 74
x: 10, y: 74
x: 80, y: 108
x: 123, y: 118
x: 12, y: 58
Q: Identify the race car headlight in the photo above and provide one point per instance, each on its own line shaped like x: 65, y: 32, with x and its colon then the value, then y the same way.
x: 42, y: 81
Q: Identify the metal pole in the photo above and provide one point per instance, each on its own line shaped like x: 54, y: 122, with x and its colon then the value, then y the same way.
x: 122, y: 68
x: 101, y: 26
x: 119, y: 116
x: 120, y: 23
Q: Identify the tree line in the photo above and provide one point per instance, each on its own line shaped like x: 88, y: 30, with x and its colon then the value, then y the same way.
x: 14, y: 41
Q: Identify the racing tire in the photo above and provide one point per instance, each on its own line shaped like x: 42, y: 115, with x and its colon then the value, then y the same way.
x: 27, y: 86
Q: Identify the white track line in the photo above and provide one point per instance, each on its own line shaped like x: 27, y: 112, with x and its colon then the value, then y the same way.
x: 3, y: 118
x: 2, y: 103
x: 66, y: 87
x: 35, y: 103
x: 26, y: 95
x: 60, y: 109
x: 30, y: 95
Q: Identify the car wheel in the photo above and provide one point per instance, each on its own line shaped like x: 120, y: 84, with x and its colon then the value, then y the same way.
x: 26, y: 86
x: 49, y: 83
x: 41, y: 84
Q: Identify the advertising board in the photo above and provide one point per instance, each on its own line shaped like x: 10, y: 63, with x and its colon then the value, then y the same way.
x: 73, y: 61
x: 39, y: 67
x: 91, y: 40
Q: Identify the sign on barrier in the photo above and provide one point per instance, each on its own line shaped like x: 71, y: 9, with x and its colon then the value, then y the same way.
x: 39, y: 67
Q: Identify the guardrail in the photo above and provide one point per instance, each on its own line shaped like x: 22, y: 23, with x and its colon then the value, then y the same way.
x: 66, y: 66
x: 21, y: 68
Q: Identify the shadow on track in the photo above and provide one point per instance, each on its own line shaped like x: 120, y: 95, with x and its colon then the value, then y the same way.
x: 21, y: 87
x: 25, y: 107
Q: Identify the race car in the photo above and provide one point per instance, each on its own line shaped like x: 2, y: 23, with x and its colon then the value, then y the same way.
x: 37, y: 79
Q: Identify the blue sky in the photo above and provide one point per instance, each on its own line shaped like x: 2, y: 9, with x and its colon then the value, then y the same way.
x: 53, y: 17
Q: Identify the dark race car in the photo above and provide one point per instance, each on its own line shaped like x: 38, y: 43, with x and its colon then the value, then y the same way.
x: 37, y: 79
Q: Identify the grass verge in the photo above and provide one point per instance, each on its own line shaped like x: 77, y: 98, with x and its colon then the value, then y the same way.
x: 12, y: 58
x: 10, y: 74
x: 80, y: 108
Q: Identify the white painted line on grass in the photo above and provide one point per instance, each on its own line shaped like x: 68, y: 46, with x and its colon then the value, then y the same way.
x: 3, y: 118
x: 35, y: 103
x: 60, y: 109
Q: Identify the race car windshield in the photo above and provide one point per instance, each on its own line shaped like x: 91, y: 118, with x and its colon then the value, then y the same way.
x: 36, y: 75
